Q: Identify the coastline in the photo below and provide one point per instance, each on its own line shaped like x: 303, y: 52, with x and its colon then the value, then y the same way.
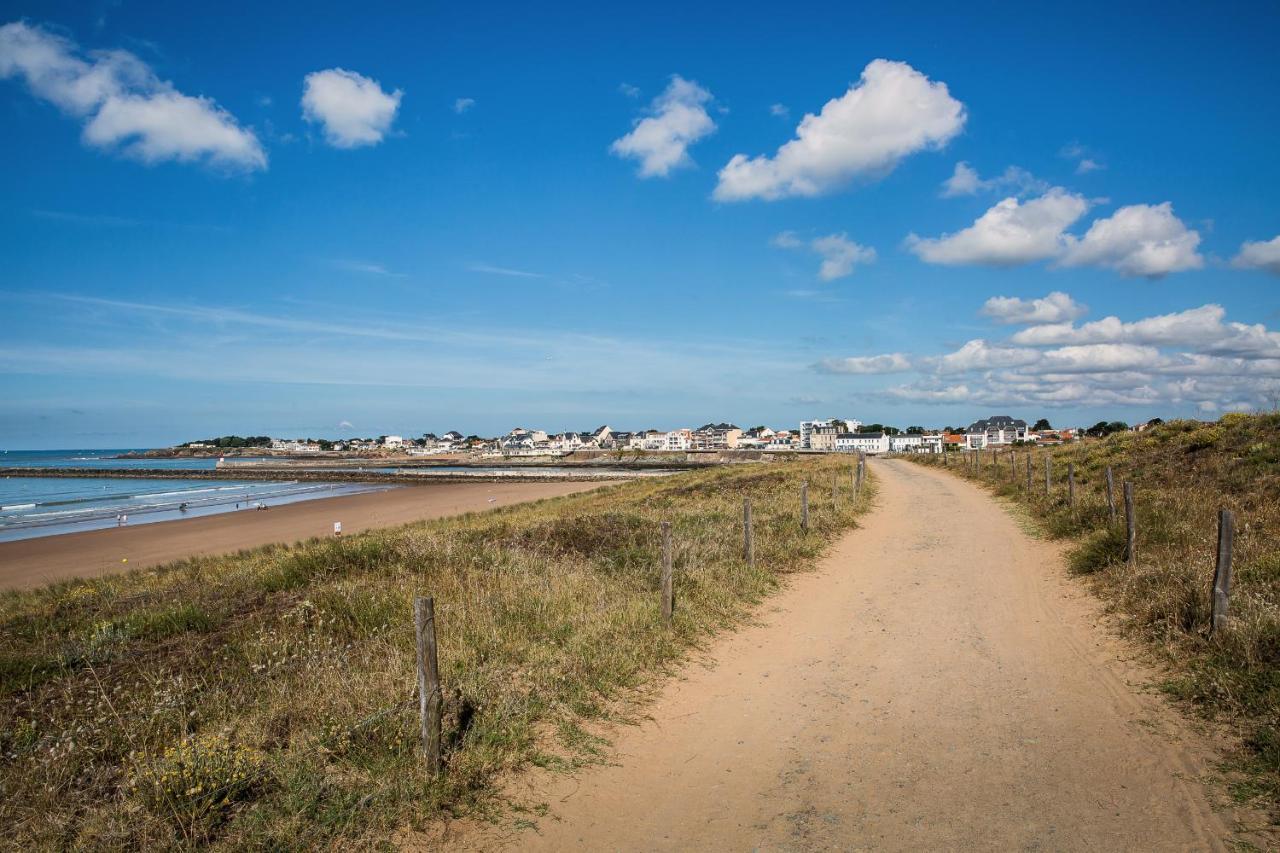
x: 27, y: 563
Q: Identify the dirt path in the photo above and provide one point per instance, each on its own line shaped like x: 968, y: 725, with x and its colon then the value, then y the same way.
x: 938, y: 684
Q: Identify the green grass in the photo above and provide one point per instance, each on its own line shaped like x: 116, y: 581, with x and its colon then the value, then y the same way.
x: 266, y: 699
x: 1182, y: 473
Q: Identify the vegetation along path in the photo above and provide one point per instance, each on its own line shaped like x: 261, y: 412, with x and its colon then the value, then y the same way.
x: 939, y: 683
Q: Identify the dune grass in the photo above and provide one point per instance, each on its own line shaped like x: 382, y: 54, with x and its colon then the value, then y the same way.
x: 266, y: 699
x: 1182, y: 473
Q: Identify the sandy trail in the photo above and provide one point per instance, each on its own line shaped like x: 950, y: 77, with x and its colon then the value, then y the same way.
x: 939, y: 683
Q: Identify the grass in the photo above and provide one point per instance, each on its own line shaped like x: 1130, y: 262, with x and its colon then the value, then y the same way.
x: 266, y: 699
x: 1182, y: 473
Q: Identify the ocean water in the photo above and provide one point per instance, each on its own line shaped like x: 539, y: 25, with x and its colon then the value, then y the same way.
x: 36, y: 506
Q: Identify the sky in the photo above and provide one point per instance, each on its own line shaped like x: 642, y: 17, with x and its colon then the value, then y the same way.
x: 330, y: 220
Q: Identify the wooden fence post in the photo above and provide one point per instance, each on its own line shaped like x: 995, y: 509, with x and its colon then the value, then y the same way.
x: 862, y: 467
x: 1048, y: 476
x: 1111, y: 496
x: 1131, y: 527
x: 804, y: 505
x: 1222, y: 570
x: 748, y: 547
x: 1013, y: 465
x: 430, y: 697
x: 1029, y: 467
x: 835, y: 491
x: 1071, y: 484
x: 668, y: 585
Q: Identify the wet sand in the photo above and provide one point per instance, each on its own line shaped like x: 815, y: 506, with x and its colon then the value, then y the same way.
x: 28, y: 563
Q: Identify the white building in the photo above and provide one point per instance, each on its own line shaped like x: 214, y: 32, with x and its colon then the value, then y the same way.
x: 906, y: 443
x: 995, y: 431
x: 393, y: 442
x: 840, y: 425
x: 862, y: 442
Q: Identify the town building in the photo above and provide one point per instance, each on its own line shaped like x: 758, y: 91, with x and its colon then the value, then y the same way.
x: 870, y: 443
x: 829, y: 428
x: 995, y: 431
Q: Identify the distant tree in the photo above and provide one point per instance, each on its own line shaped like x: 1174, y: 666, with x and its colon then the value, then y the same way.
x: 873, y: 427
x: 326, y: 444
x: 1155, y: 422
x: 1104, y: 428
x: 915, y: 430
x: 1042, y: 424
x: 1117, y: 426
x: 891, y: 430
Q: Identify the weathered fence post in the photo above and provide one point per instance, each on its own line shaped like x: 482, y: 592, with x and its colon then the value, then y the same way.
x: 1029, y: 474
x: 1222, y: 571
x: 804, y: 505
x: 748, y: 547
x: 1071, y: 484
x: 430, y: 697
x: 668, y: 586
x: 1013, y: 465
x: 1048, y: 476
x: 1111, y: 496
x: 1131, y: 527
x: 835, y: 491
x: 862, y: 468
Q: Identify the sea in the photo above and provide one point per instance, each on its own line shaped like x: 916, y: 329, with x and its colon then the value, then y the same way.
x: 37, y: 506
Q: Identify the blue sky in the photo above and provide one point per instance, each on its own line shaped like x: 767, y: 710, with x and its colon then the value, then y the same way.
x: 278, y: 219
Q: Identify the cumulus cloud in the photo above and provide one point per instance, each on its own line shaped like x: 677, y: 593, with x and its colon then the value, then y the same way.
x: 1008, y: 234
x: 1057, y: 307
x: 461, y: 105
x: 981, y: 355
x: 892, y: 112
x: 661, y: 140
x: 124, y: 105
x: 1090, y: 358
x: 839, y: 254
x: 1137, y: 240
x: 353, y: 110
x: 1259, y: 256
x: 893, y: 362
x: 1199, y: 328
x: 966, y: 181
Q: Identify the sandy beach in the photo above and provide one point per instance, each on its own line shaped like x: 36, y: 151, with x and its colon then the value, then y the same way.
x: 30, y: 562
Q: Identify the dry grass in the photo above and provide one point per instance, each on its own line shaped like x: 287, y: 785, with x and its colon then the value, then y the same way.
x: 265, y: 699
x: 1182, y: 473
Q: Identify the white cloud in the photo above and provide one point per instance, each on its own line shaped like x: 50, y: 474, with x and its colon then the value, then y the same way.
x: 891, y: 112
x: 839, y: 254
x: 507, y: 271
x: 1264, y: 255
x: 1137, y: 240
x: 1008, y: 234
x: 1057, y: 307
x: 779, y: 110
x: 124, y: 105
x: 352, y: 109
x: 966, y: 181
x: 1086, y: 160
x: 1199, y: 328
x: 981, y: 355
x: 894, y: 362
x: 661, y: 141
x: 1090, y: 358
x: 786, y: 240
x: 629, y: 90
x: 461, y: 105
